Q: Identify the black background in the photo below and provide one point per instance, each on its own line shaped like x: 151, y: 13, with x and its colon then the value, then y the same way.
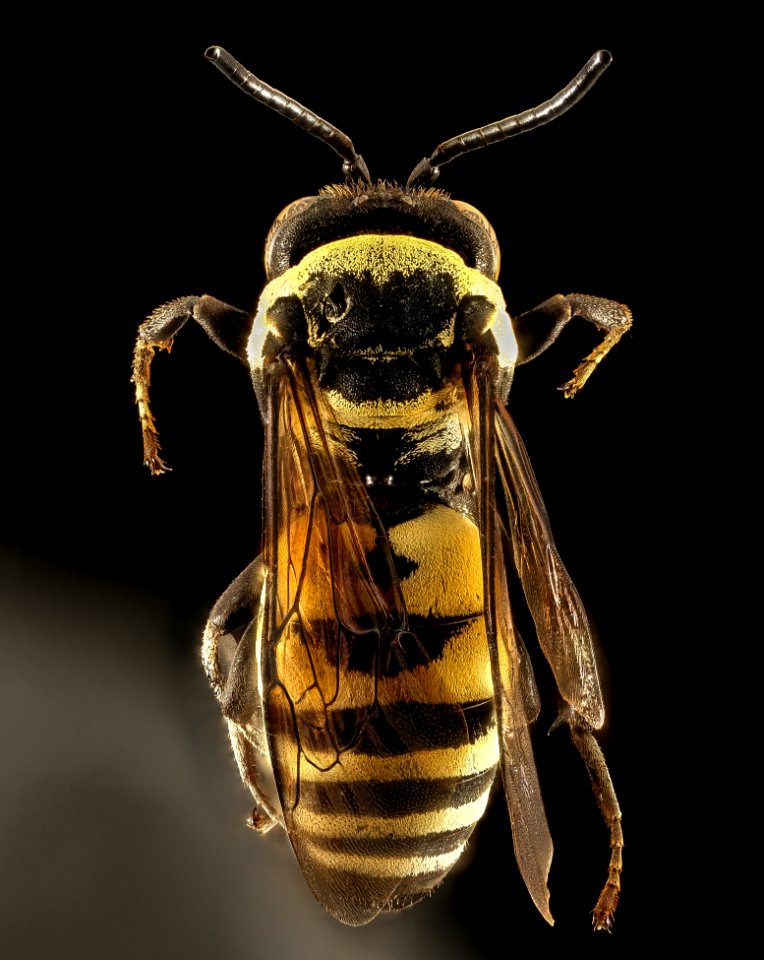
x: 144, y: 175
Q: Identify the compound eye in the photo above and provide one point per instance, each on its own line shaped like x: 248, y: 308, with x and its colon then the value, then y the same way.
x: 291, y: 209
x: 473, y: 214
x: 335, y: 306
x: 273, y: 266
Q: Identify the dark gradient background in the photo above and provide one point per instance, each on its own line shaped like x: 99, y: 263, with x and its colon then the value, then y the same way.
x: 145, y: 175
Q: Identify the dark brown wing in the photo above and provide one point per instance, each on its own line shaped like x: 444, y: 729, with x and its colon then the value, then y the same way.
x: 358, y: 725
x: 561, y: 622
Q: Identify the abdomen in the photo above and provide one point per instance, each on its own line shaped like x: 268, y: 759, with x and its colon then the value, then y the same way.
x: 393, y: 735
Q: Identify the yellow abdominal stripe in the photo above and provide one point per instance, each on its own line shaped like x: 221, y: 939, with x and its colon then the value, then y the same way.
x: 472, y: 759
x: 322, y: 828
x: 445, y: 545
x: 385, y: 866
x: 354, y: 826
x: 460, y: 675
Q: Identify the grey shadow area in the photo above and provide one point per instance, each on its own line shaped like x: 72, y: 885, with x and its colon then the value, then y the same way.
x: 121, y: 814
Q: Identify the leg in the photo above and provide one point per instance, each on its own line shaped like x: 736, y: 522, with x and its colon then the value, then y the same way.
x: 538, y: 328
x: 229, y: 660
x: 607, y: 801
x: 232, y: 614
x: 227, y: 326
x: 265, y: 814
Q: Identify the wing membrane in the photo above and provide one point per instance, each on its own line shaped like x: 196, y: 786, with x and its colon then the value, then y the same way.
x: 557, y: 610
x: 519, y: 707
x: 333, y: 582
x: 517, y: 701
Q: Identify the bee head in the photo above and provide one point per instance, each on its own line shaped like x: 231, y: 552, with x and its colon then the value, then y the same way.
x: 349, y: 210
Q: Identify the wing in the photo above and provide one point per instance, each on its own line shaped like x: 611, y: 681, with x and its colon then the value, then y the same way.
x: 331, y: 580
x: 519, y: 706
x: 566, y: 641
x: 517, y: 701
x: 361, y: 728
x: 557, y: 610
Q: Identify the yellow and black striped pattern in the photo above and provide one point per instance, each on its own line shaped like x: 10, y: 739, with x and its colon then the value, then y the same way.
x: 395, y: 764
x: 378, y: 692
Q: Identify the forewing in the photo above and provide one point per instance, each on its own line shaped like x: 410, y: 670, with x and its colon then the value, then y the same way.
x: 561, y: 622
x: 332, y: 581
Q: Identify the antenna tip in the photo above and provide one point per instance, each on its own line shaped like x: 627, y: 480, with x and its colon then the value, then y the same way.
x: 603, y: 58
x: 213, y: 53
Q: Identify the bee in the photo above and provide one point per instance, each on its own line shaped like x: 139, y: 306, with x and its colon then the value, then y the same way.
x: 366, y: 663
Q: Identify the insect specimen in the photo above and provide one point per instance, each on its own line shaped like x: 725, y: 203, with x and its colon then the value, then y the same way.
x: 366, y: 662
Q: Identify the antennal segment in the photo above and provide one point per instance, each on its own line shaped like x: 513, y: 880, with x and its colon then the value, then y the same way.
x: 427, y: 170
x: 353, y: 165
